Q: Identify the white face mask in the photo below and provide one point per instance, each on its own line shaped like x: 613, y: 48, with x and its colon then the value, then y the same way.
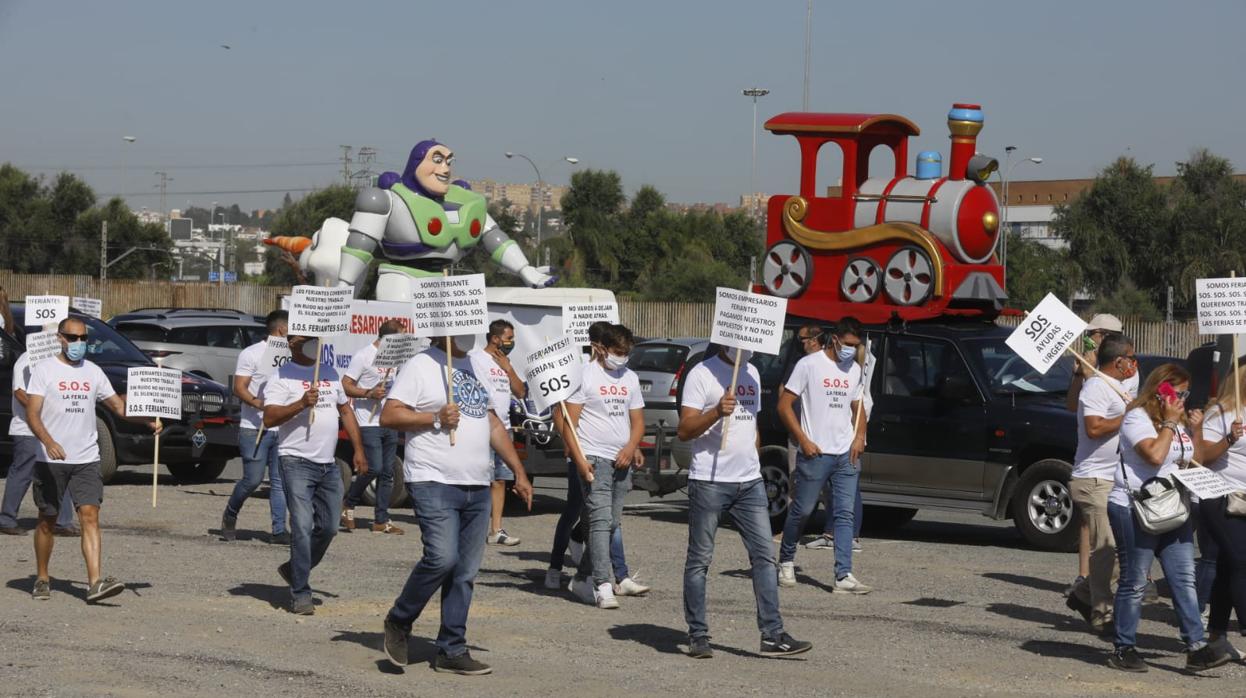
x: 846, y: 353
x: 614, y: 363
x: 311, y: 349
x: 745, y: 356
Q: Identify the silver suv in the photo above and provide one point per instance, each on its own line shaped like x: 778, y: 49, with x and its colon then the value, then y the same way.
x: 659, y: 364
x: 202, y: 341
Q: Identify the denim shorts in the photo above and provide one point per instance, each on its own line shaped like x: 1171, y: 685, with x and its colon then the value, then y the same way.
x: 502, y: 471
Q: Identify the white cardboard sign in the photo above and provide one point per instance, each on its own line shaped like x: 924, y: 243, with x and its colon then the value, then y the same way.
x: 1206, y: 484
x: 395, y: 350
x: 1045, y: 333
x: 576, y: 317
x: 450, y: 305
x: 153, y: 392
x: 317, y: 311
x: 554, y: 372
x: 42, y: 311
x: 42, y: 345
x: 748, y: 320
x: 89, y: 306
x: 1221, y: 305
x: 276, y: 354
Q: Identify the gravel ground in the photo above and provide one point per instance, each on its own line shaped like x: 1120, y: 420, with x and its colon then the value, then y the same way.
x: 960, y: 608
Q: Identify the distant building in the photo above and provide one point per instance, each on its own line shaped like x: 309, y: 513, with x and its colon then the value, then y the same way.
x: 521, y: 197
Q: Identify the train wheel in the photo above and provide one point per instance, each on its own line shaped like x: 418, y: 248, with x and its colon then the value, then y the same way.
x: 787, y: 269
x: 909, y: 276
x: 862, y: 280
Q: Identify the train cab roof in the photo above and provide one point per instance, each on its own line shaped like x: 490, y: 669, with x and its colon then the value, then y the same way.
x: 844, y: 125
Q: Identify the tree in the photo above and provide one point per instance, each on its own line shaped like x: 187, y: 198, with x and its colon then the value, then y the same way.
x: 1208, y: 223
x: 303, y: 219
x: 1127, y: 300
x: 1034, y: 270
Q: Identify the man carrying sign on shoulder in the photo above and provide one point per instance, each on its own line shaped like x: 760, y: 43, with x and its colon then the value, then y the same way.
x: 501, y: 379
x: 249, y: 377
x: 61, y: 413
x: 726, y: 478
x: 367, y: 385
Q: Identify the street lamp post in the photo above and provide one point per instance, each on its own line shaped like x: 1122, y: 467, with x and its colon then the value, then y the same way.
x: 754, y: 92
x: 1006, y: 174
x: 540, y: 191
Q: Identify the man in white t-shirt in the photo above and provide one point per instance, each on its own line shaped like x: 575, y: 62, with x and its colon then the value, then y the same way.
x: 60, y: 411
x: 727, y: 479
x: 254, y: 366
x: 1100, y: 411
x: 830, y: 433
x: 448, y: 470
x: 22, y: 470
x: 494, y: 366
x: 305, y: 454
x: 367, y: 386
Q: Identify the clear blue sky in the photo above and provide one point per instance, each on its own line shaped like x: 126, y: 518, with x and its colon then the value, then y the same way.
x: 648, y: 88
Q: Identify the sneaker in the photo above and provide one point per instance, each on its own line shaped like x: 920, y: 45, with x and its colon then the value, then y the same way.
x: 12, y: 531
x: 228, y: 526
x: 103, y: 589
x: 396, y: 643
x: 1076, y: 604
x: 501, y: 538
x: 1076, y: 582
x: 787, y: 574
x: 699, y: 648
x: 1127, y: 659
x: 462, y: 664
x: 283, y: 570
x: 575, y: 551
x: 822, y: 542
x: 42, y: 590
x: 856, y: 545
x: 850, y: 585
x: 783, y: 646
x: 553, y: 578
x: 282, y: 538
x: 1206, y: 657
x: 387, y: 527
x: 1151, y: 595
x: 347, y: 522
x: 582, y: 589
x: 67, y: 531
x: 604, y: 595
x: 630, y: 587
x: 303, y: 606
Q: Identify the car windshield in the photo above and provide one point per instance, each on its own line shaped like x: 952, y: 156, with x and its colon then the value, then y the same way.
x: 104, y: 344
x: 664, y: 358
x: 1009, y: 374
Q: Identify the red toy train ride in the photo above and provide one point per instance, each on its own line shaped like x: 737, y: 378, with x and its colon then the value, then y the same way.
x: 904, y: 246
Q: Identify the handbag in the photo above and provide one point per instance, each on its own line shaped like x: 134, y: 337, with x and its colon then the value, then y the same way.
x: 1235, y: 504
x: 1159, y: 506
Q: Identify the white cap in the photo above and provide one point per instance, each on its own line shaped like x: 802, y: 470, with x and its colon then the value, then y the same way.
x: 1105, y: 321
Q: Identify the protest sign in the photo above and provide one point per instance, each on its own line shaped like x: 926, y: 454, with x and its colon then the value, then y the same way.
x: 154, y: 392
x: 395, y: 350
x: 42, y: 345
x: 1046, y: 333
x: 553, y: 372
x: 576, y: 317
x: 276, y: 354
x: 1204, y: 483
x: 320, y: 312
x: 1221, y: 305
x: 42, y: 311
x: 750, y: 321
x: 89, y: 306
x: 449, y: 305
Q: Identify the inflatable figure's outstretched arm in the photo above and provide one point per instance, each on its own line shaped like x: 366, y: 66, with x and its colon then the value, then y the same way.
x: 367, y: 229
x: 509, y: 256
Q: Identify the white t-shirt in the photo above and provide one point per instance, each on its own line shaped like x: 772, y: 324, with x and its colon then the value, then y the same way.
x: 21, y: 378
x: 299, y: 437
x: 366, y: 377
x: 1137, y: 428
x: 1097, y: 457
x: 826, y: 390
x: 498, y: 382
x: 1232, y: 463
x: 428, y: 455
x: 69, y: 395
x: 248, y: 366
x: 608, y: 398
x: 705, y: 385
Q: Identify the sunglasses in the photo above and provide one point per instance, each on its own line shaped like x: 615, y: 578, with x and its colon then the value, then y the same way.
x: 810, y: 338
x: 74, y: 337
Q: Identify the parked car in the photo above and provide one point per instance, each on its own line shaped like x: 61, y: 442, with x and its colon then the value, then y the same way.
x: 659, y: 363
x: 202, y: 341
x: 194, y: 448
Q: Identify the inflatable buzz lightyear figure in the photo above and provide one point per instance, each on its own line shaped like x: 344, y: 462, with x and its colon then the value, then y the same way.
x: 422, y: 222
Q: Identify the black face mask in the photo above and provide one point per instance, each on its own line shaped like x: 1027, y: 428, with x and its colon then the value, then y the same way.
x: 507, y: 348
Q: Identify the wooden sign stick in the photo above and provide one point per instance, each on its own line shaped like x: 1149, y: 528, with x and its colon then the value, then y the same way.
x: 1110, y: 381
x: 155, y: 467
x: 445, y: 273
x: 315, y: 384
x: 1237, y: 372
x: 735, y: 375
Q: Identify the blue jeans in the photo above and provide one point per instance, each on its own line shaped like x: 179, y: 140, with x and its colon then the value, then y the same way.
x: 857, y: 511
x: 812, y: 474
x: 1136, y: 549
x: 21, y: 473
x: 314, y: 495
x: 747, y: 504
x: 254, y: 461
x: 603, y: 508
x: 567, y: 523
x: 381, y: 447
x: 454, y: 520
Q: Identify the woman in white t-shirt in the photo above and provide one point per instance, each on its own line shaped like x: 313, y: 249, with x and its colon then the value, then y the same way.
x: 1224, y: 451
x: 1157, y: 437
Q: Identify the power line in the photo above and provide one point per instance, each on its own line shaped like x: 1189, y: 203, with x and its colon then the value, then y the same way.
x: 232, y: 166
x: 204, y: 193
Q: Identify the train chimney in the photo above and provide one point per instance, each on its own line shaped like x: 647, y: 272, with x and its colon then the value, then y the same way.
x: 964, y: 121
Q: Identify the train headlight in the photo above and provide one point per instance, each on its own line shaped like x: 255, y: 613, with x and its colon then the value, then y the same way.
x: 981, y: 167
x: 990, y: 222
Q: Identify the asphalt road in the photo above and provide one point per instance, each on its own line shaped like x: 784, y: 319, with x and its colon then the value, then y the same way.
x: 960, y: 608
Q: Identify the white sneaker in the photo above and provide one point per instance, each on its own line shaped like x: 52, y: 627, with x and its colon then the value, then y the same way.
x: 856, y: 545
x: 787, y: 574
x: 553, y: 578
x: 575, y: 551
x: 822, y: 542
x: 502, y: 538
x: 605, y: 596
x: 630, y: 587
x: 582, y: 589
x: 850, y: 585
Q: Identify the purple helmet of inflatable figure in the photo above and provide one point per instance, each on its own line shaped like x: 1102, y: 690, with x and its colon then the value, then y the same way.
x: 408, y: 177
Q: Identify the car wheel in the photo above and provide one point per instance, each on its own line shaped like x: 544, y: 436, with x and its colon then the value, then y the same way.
x: 778, y: 481
x: 196, y: 473
x: 108, y: 453
x: 876, y: 518
x: 1042, y: 508
x: 397, y: 495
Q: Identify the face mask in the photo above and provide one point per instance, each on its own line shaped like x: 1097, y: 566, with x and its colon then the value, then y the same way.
x: 76, y: 351
x: 614, y: 363
x: 309, y: 350
x: 846, y: 353
x: 507, y: 348
x: 745, y: 356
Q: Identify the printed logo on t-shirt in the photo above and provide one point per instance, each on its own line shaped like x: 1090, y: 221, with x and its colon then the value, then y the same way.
x: 76, y: 394
x: 471, y: 397
x: 326, y: 394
